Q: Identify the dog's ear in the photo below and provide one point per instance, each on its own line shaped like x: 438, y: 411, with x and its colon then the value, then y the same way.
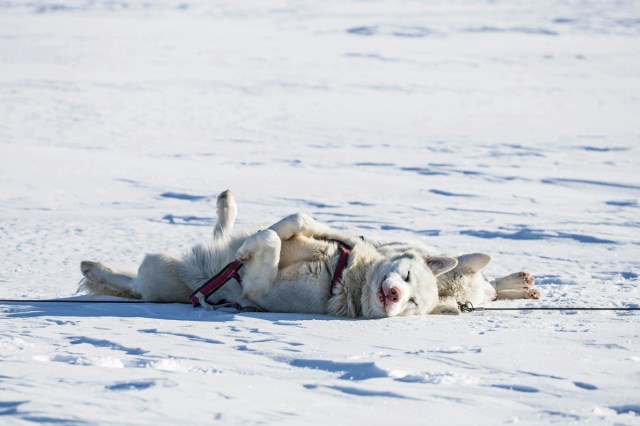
x: 472, y: 262
x: 440, y: 265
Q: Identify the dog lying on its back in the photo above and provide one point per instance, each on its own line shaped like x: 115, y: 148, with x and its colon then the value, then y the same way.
x: 289, y: 268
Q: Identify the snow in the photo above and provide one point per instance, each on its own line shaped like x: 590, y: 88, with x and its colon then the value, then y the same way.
x: 504, y: 127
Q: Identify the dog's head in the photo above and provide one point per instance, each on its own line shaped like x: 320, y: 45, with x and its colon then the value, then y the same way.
x: 466, y: 282
x: 404, y: 285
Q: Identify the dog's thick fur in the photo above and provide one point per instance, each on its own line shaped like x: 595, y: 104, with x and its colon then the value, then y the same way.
x: 289, y: 267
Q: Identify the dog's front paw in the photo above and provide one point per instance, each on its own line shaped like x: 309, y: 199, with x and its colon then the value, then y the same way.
x: 246, y: 250
x: 243, y: 254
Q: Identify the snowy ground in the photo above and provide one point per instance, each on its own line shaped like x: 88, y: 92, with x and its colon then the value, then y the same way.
x: 505, y: 127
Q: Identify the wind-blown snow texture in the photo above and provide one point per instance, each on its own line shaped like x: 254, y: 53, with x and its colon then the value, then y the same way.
x: 504, y: 127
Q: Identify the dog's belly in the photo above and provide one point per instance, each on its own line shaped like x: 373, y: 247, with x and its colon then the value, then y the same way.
x: 304, y: 287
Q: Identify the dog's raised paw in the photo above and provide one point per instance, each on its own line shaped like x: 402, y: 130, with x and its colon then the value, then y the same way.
x: 242, y: 255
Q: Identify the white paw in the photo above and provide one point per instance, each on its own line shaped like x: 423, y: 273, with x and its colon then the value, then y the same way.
x: 533, y: 293
x: 207, y: 306
x: 527, y: 280
x: 248, y: 248
x: 515, y: 281
x: 243, y: 254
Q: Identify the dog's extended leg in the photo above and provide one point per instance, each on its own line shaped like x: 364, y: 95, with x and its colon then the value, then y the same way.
x: 227, y: 210
x: 512, y: 293
x: 519, y: 285
x: 102, y: 274
x: 303, y: 224
x: 260, y: 254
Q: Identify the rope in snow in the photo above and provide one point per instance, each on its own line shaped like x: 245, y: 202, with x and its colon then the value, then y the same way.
x: 82, y: 301
x: 235, y: 306
x: 466, y: 307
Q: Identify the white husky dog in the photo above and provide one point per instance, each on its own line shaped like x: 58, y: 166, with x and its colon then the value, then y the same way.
x: 288, y: 268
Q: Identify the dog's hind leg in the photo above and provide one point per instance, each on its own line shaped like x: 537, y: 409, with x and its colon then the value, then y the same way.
x: 227, y: 211
x: 303, y: 224
x: 98, y: 273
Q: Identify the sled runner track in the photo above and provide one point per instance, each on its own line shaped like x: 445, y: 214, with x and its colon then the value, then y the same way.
x: 463, y: 308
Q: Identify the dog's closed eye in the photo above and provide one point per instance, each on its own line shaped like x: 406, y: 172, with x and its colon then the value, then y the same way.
x: 408, y: 276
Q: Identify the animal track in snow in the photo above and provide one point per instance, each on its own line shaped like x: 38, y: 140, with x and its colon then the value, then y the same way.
x: 586, y: 386
x: 8, y: 408
x: 191, y: 337
x: 186, y: 197
x: 517, y: 388
x: 349, y: 390
x: 101, y: 343
x: 349, y: 370
x: 535, y: 234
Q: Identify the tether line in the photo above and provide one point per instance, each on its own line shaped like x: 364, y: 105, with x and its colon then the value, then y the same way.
x: 467, y: 307
x: 554, y: 308
x: 87, y: 301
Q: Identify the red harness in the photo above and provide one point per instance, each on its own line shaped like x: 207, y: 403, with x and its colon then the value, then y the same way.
x: 345, y: 250
x: 213, y: 284
x: 230, y: 271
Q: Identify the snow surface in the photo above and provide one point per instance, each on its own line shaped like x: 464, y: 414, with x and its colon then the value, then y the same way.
x: 508, y: 127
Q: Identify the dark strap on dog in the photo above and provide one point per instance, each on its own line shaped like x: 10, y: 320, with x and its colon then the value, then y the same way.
x: 345, y: 250
x: 213, y: 284
x: 230, y: 271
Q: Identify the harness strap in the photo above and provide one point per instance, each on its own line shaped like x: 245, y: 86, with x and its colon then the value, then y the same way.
x: 230, y: 271
x: 345, y: 250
